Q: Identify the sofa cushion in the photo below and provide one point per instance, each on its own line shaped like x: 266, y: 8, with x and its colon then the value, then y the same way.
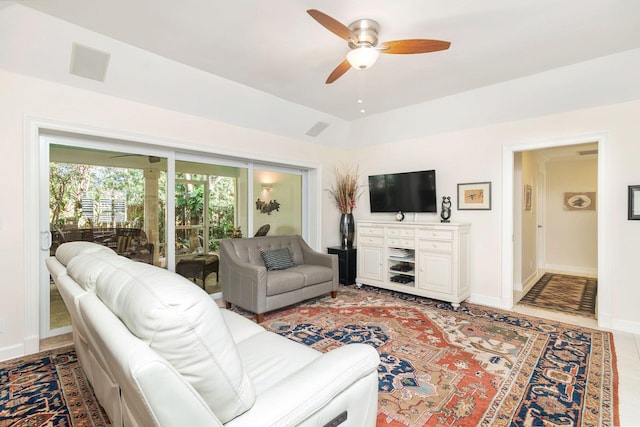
x: 67, y: 251
x: 185, y: 326
x: 277, y: 259
x: 314, y: 274
x: 249, y: 249
x: 123, y: 244
x: 269, y: 359
x: 281, y: 281
x: 86, y: 268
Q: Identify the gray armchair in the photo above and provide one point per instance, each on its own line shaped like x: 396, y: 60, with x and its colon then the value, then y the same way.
x: 248, y: 283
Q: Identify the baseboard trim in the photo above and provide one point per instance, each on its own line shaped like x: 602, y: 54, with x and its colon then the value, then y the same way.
x: 11, y: 352
x: 485, y: 300
x: 531, y: 280
x: 625, y: 326
x: 569, y: 269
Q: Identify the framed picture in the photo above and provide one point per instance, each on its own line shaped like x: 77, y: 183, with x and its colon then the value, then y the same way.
x: 474, y: 196
x: 634, y: 202
x: 585, y: 201
x: 527, y: 197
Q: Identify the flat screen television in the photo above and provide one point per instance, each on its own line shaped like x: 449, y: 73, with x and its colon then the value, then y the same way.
x: 405, y: 192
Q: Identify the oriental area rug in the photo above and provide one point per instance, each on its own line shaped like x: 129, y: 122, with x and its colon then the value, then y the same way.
x: 564, y: 293
x: 48, y: 389
x: 473, y: 366
x: 439, y: 366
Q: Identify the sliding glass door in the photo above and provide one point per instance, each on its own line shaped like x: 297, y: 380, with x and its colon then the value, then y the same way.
x: 209, y: 206
x: 114, y: 198
x: 158, y: 206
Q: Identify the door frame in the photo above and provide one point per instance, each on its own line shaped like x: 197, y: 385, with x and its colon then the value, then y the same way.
x: 604, y: 217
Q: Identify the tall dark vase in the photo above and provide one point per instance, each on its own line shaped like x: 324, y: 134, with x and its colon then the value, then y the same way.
x: 346, y: 230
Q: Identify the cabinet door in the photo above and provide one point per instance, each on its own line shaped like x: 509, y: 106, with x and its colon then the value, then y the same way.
x: 370, y: 262
x: 434, y: 272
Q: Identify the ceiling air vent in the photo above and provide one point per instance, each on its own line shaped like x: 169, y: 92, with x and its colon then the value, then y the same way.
x: 89, y: 62
x: 317, y: 129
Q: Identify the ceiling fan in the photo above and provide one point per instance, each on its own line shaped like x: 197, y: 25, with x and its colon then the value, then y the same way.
x: 362, y: 36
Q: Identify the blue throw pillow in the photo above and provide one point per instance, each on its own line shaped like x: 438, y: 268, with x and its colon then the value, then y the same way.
x: 277, y: 259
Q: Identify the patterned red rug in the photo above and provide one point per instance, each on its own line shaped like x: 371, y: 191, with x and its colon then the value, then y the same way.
x: 475, y: 366
x: 440, y: 367
x: 47, y: 389
x: 564, y: 293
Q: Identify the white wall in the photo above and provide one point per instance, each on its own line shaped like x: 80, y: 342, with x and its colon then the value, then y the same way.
x: 29, y: 97
x: 571, y: 238
x: 475, y: 155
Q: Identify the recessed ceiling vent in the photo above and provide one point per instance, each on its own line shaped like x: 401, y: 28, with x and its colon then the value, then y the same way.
x: 317, y: 129
x: 587, y: 152
x: 89, y: 62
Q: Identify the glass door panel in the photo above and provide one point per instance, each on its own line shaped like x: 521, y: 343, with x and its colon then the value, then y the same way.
x: 278, y: 202
x: 210, y: 204
x: 116, y: 199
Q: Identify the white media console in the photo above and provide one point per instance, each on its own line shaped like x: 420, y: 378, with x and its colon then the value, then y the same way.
x: 426, y: 259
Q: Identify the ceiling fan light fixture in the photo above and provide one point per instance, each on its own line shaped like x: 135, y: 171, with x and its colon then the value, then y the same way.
x: 363, y: 57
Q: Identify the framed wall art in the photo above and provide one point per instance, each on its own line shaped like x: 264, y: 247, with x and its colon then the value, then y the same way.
x: 634, y: 202
x: 474, y: 196
x: 527, y: 197
x: 584, y: 201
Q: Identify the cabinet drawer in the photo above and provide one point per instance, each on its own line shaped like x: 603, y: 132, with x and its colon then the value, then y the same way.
x: 372, y: 240
x: 400, y: 232
x: 371, y: 231
x: 435, y: 245
x: 400, y: 243
x: 436, y: 234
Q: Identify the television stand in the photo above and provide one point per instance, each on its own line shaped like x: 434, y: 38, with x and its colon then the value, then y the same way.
x: 425, y: 259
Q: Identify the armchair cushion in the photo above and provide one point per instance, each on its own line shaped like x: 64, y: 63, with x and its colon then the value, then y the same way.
x: 123, y: 244
x: 277, y: 259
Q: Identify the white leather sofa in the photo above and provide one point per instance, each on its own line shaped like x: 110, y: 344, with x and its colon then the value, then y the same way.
x: 158, y: 351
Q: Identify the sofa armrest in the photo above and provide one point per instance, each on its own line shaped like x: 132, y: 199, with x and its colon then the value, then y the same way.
x: 314, y: 257
x: 344, y: 379
x: 243, y: 283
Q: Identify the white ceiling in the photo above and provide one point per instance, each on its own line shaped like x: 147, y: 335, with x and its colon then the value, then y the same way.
x: 276, y: 47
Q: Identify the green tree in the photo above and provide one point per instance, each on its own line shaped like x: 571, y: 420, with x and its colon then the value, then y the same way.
x: 67, y: 183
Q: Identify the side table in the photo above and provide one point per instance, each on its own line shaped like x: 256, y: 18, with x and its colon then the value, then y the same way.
x: 346, y: 263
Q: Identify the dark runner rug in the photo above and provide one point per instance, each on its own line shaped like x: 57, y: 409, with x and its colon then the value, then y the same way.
x: 564, y: 293
x: 47, y: 389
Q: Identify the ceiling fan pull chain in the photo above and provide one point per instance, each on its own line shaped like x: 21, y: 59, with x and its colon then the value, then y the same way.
x: 361, y: 92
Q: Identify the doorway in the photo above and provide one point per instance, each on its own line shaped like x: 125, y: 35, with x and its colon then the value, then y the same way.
x: 512, y: 200
x: 555, y: 232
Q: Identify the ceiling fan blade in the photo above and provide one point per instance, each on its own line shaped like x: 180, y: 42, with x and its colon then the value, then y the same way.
x: 332, y: 25
x: 414, y: 46
x: 338, y: 72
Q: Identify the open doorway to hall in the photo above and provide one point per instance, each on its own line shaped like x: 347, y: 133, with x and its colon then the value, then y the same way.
x: 556, y: 230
